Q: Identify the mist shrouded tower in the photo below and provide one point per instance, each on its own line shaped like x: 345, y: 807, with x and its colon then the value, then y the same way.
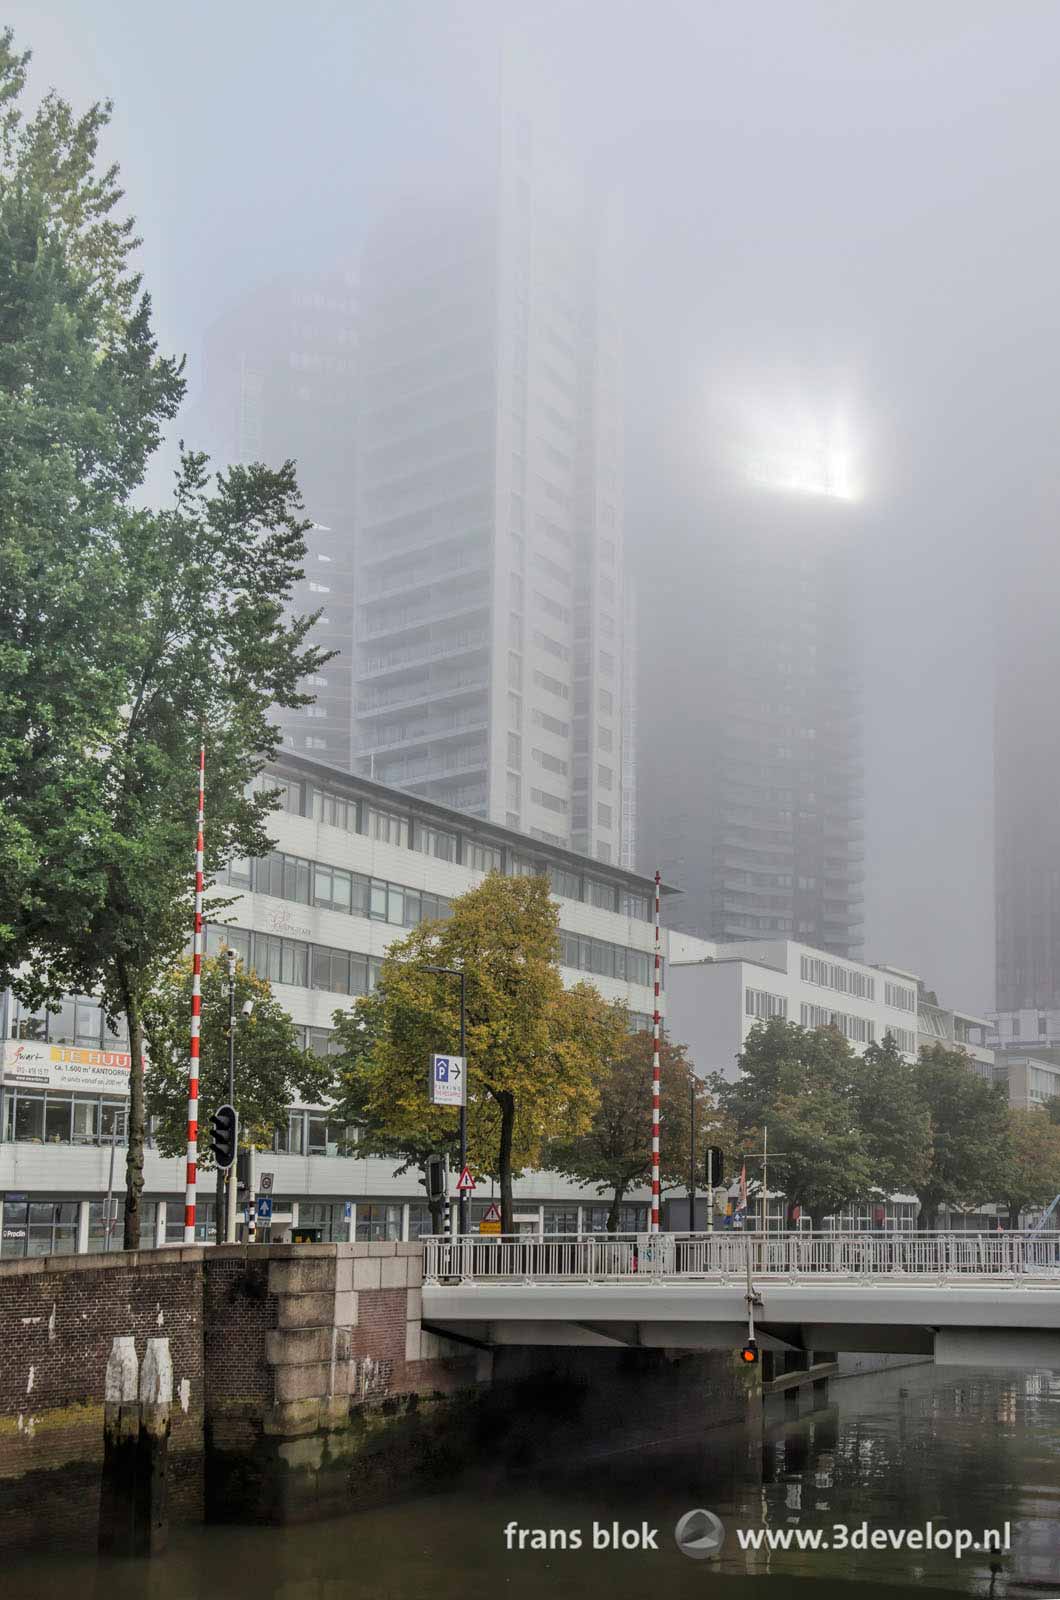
x: 1027, y: 793
x: 489, y: 617
x: 278, y: 382
x: 750, y: 792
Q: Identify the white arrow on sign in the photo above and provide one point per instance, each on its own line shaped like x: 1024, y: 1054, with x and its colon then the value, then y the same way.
x: 448, y: 1081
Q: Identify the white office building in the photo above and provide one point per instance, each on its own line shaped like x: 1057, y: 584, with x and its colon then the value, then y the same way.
x: 717, y: 992
x: 356, y: 865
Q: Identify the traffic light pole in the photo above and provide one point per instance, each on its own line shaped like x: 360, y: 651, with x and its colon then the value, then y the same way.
x: 231, y: 1186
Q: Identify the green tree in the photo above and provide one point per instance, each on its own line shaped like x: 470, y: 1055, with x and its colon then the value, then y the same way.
x: 894, y: 1121
x: 84, y: 397
x: 800, y: 1083
x: 531, y: 1044
x: 970, y: 1147
x: 356, y: 1034
x: 1032, y: 1170
x: 614, y: 1152
x: 206, y: 654
x: 125, y: 636
x: 272, y: 1069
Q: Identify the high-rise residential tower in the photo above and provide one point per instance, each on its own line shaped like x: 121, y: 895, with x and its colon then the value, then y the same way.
x: 278, y: 383
x: 489, y: 584
x: 749, y: 754
x: 1027, y: 795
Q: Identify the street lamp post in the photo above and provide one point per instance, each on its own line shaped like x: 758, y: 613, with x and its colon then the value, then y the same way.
x: 458, y: 972
x: 692, y: 1153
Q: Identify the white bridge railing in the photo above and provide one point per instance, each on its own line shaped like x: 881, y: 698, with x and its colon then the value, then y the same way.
x: 723, y: 1257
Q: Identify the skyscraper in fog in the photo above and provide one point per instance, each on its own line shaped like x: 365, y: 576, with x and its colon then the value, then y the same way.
x: 1027, y: 795
x: 750, y: 781
x: 278, y: 375
x: 489, y: 585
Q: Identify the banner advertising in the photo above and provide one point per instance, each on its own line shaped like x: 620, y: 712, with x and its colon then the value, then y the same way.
x: 31, y: 1063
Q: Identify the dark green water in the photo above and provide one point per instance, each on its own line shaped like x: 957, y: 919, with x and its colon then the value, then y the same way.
x: 964, y: 1449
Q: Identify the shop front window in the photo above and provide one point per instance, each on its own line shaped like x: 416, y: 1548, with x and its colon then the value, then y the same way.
x: 106, y: 1222
x: 375, y: 1222
x: 420, y: 1222
x: 561, y: 1219
x: 326, y: 1221
x: 52, y: 1227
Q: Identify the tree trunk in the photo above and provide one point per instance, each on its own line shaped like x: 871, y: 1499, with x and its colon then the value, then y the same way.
x: 134, y: 1154
x: 616, y: 1208
x: 1014, y: 1217
x: 928, y: 1219
x: 506, y: 1101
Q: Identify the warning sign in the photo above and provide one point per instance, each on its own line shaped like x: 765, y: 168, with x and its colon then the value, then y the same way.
x: 491, y: 1219
x: 465, y: 1183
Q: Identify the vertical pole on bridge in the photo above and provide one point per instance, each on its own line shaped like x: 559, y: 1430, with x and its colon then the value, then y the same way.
x: 655, y: 1073
x: 196, y: 1014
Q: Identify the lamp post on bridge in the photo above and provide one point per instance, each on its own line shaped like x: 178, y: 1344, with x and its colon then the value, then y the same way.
x: 458, y: 972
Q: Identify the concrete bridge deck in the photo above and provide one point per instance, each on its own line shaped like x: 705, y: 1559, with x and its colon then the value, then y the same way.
x: 964, y: 1299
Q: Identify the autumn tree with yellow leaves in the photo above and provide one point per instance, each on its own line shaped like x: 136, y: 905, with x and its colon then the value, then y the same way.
x: 532, y: 1045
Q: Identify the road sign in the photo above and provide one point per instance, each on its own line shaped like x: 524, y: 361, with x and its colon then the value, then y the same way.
x: 493, y: 1213
x: 489, y: 1227
x: 465, y: 1183
x: 265, y: 1182
x: 448, y: 1081
x: 264, y: 1207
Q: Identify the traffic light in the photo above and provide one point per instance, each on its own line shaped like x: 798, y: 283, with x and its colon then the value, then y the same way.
x: 224, y: 1136
x: 715, y: 1167
x: 749, y: 1353
x: 434, y: 1172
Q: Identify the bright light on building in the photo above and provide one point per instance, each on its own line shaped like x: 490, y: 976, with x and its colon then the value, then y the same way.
x: 790, y: 448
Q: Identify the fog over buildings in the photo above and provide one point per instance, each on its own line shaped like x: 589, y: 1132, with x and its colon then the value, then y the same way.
x: 836, y: 302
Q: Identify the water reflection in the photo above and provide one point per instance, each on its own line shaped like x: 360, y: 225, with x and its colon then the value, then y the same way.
x: 969, y: 1449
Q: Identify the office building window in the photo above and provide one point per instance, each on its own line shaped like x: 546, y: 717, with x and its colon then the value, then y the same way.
x: 564, y: 883
x: 482, y: 857
x: 387, y: 826
x: 760, y: 1003
x: 438, y: 842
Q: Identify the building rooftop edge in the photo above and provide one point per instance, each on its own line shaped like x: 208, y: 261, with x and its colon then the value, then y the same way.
x: 323, y: 772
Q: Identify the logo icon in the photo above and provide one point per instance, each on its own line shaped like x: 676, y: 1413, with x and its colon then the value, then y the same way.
x: 700, y: 1534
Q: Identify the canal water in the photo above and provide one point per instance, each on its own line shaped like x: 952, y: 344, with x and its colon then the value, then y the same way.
x: 893, y: 1452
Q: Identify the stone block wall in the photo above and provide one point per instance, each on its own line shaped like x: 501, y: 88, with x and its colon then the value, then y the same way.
x: 302, y: 1383
x: 334, y: 1399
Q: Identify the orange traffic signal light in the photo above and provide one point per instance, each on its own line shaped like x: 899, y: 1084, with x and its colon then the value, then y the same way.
x: 749, y: 1353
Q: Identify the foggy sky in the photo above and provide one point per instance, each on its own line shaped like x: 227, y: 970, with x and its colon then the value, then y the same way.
x: 853, y: 204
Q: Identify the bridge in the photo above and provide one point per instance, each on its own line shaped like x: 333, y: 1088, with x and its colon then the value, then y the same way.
x: 969, y: 1299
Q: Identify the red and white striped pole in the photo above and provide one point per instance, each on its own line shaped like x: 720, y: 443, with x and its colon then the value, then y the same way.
x: 196, y: 1015
x: 655, y: 1074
